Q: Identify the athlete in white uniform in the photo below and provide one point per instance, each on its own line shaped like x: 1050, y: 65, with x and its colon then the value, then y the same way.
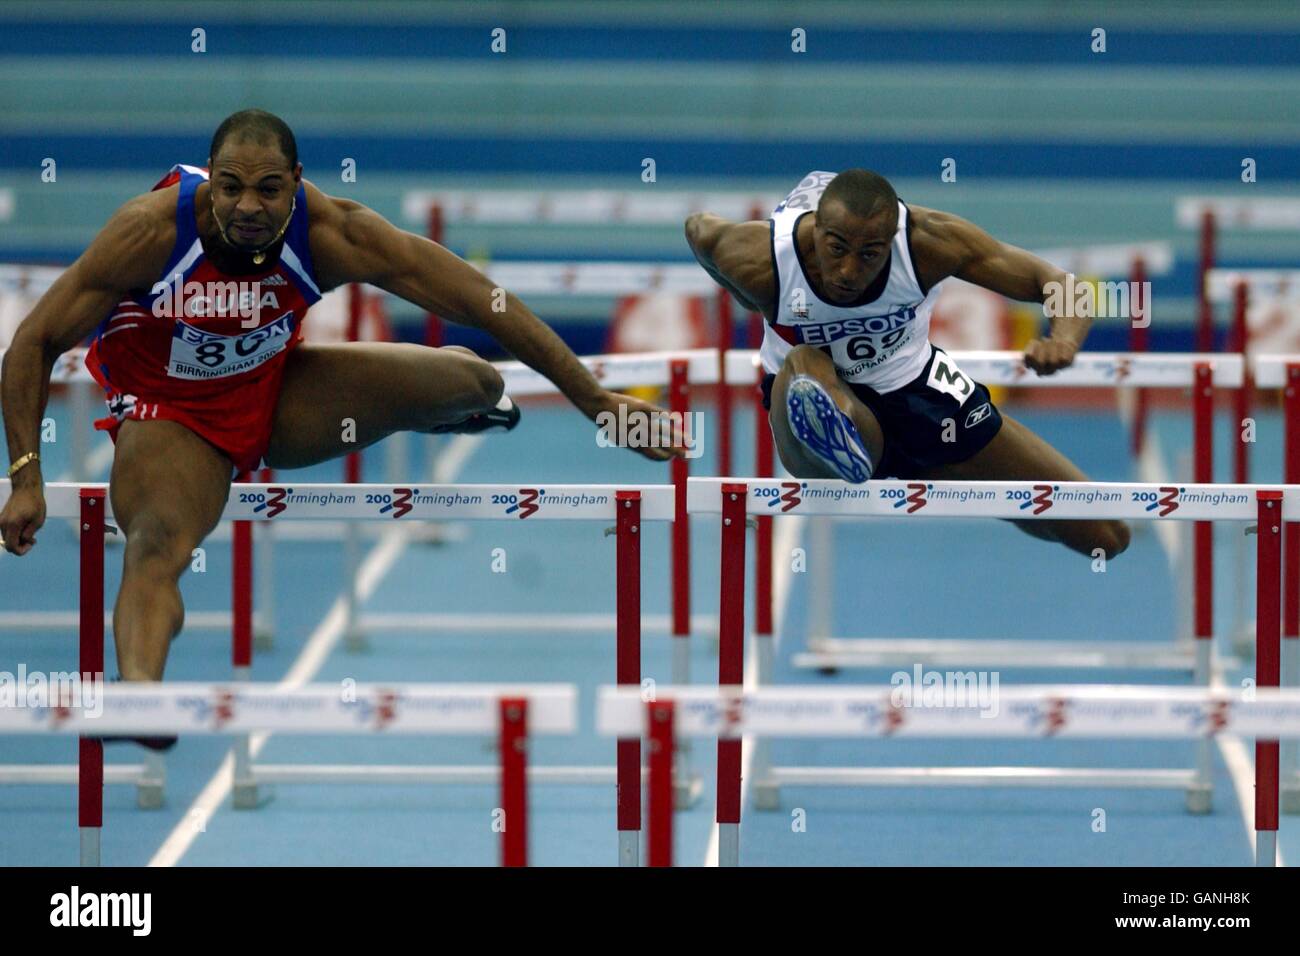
x: 846, y: 275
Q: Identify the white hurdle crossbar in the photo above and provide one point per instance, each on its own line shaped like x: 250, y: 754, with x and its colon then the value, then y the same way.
x: 737, y: 499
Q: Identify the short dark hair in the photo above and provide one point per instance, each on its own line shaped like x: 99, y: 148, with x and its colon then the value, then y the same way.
x: 862, y: 192
x: 260, y: 127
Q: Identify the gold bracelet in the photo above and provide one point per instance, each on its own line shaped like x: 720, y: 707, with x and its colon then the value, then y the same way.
x: 31, y: 456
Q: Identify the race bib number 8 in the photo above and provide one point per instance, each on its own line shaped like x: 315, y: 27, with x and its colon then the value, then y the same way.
x: 197, y: 354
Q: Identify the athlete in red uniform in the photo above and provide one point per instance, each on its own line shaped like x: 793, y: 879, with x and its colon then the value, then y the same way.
x: 203, y: 378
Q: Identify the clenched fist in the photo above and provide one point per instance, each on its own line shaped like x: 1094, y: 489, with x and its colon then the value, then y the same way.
x: 21, y: 518
x: 1046, y: 356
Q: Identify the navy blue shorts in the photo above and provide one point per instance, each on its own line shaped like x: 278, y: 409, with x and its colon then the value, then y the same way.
x: 914, y: 418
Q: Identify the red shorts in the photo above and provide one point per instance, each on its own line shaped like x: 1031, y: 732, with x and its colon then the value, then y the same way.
x: 238, y: 423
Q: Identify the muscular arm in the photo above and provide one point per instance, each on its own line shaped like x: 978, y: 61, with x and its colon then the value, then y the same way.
x: 128, y: 253
x: 737, y: 256
x: 947, y: 245
x: 351, y: 243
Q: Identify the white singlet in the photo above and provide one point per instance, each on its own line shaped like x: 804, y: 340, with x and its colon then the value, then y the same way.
x: 882, y: 342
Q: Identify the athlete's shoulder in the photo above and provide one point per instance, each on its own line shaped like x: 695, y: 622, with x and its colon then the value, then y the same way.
x: 332, y: 217
x: 325, y: 210
x: 938, y: 241
x: 132, y: 249
x: 745, y: 256
x: 337, y: 228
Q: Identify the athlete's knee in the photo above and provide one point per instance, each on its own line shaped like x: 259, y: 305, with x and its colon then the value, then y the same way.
x: 486, y: 384
x: 466, y: 385
x: 1112, y: 537
x: 807, y: 360
x: 159, y: 546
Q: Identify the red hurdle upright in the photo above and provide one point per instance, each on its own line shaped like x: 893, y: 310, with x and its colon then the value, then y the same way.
x: 514, y: 780
x: 90, y: 757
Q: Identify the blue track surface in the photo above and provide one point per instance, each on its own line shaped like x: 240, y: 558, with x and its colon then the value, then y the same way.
x: 936, y: 579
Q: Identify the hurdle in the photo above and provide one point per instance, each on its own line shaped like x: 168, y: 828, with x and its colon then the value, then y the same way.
x: 1192, y: 653
x: 1240, y: 289
x: 736, y: 499
x: 678, y: 372
x: 1209, y: 214
x: 149, y: 778
x: 512, y: 713
x: 627, y: 507
x: 1048, y: 712
x: 1283, y: 372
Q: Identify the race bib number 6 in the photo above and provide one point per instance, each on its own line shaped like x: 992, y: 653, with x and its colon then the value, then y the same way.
x: 197, y: 354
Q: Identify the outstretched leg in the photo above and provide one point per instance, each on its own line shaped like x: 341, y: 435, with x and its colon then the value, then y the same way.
x: 1017, y: 454
x: 337, y: 399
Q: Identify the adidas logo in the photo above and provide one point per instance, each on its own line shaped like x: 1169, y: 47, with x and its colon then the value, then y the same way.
x: 275, y: 279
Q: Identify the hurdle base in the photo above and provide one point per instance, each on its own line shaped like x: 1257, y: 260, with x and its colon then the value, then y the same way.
x: 767, y: 793
x: 263, y: 639
x: 1200, y: 798
x: 1243, y: 641
x: 114, y: 773
x: 436, y: 624
x: 849, y: 653
x: 687, y: 793
x: 356, y: 641
x: 149, y: 791
x: 148, y: 778
x: 390, y: 774
x: 250, y: 796
x: 1290, y: 798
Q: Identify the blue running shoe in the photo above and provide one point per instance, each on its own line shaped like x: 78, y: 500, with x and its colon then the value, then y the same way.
x: 826, y: 431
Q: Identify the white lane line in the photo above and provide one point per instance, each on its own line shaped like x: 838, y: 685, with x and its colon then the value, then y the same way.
x: 1153, y: 467
x: 453, y: 456
x: 309, y: 661
x: 785, y: 538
